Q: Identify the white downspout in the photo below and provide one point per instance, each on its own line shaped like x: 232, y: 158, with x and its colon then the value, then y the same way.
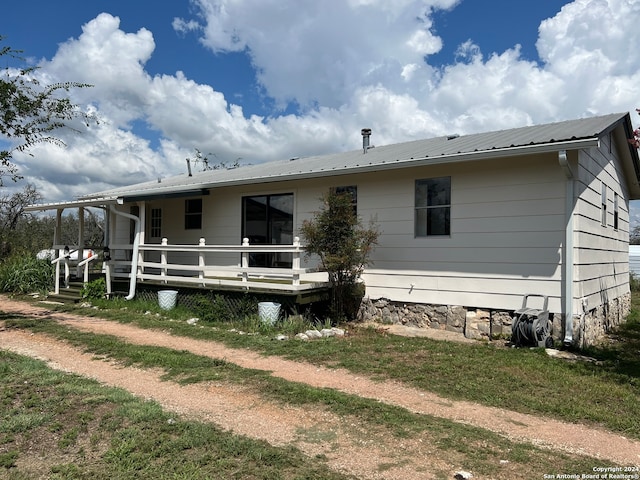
x: 567, y: 274
x: 134, y: 255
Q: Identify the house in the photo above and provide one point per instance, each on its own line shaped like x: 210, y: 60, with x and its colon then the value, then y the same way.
x: 469, y: 225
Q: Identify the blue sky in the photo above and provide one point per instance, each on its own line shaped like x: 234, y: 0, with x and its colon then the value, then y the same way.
x: 270, y: 79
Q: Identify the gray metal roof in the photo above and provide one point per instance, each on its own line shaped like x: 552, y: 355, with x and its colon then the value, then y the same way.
x: 567, y: 135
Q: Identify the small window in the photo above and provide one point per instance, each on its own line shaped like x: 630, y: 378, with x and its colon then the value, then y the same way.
x: 193, y: 214
x: 603, y: 209
x: 615, y: 211
x: 433, y: 207
x: 156, y: 223
x: 351, y: 190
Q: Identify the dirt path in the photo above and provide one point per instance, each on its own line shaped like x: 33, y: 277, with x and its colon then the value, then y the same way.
x: 350, y: 450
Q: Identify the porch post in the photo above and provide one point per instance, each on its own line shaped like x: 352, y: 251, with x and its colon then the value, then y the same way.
x: 296, y: 261
x: 80, y: 238
x: 163, y: 259
x: 57, y: 241
x: 108, y: 216
x: 245, y: 260
x: 142, y: 212
x: 201, y: 261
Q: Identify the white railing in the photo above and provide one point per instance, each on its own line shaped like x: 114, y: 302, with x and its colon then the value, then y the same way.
x: 64, y: 257
x: 194, y: 269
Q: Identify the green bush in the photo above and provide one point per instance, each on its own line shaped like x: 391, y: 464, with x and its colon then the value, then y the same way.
x: 22, y: 273
x: 212, y: 310
x: 634, y: 282
x: 95, y: 289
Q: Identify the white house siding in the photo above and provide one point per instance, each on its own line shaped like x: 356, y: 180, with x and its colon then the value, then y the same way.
x: 507, y: 227
x: 507, y: 230
x: 601, y: 262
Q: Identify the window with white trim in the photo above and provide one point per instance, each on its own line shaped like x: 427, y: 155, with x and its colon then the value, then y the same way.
x: 433, y: 207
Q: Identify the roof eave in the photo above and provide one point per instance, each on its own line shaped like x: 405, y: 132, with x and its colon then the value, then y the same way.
x: 97, y: 202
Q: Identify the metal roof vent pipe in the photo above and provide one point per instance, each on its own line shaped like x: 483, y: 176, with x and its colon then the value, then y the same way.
x: 366, y: 135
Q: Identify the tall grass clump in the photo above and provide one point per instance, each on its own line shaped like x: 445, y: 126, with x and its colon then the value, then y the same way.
x: 24, y: 273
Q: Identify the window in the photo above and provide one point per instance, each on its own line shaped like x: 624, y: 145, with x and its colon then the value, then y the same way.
x: 615, y: 211
x: 603, y: 209
x: 193, y: 214
x: 350, y: 190
x: 433, y: 207
x: 268, y: 220
x: 156, y: 223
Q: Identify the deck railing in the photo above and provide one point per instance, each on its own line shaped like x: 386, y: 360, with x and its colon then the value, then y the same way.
x: 64, y: 255
x: 190, y: 266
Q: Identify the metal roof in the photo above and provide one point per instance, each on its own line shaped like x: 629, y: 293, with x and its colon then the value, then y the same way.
x: 566, y: 135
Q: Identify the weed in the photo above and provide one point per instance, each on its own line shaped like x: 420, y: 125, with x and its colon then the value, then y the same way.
x: 23, y: 273
x: 94, y: 289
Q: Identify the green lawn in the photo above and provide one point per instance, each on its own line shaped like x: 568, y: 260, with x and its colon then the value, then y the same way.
x: 84, y: 430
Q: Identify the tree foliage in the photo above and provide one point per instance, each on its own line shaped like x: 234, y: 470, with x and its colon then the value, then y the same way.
x: 31, y: 112
x: 202, y: 162
x: 25, y: 233
x: 635, y: 139
x: 336, y: 235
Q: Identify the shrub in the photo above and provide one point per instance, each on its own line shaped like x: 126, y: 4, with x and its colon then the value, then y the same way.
x: 22, y: 273
x: 336, y: 235
x: 634, y: 282
x: 212, y: 310
x: 94, y: 289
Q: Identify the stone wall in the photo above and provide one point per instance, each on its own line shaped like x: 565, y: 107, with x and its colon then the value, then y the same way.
x: 479, y: 323
x: 589, y: 327
x: 471, y: 322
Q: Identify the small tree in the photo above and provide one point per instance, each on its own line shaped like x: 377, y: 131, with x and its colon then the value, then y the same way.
x: 30, y: 113
x: 337, y: 236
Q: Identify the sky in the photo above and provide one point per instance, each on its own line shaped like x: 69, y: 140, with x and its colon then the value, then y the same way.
x: 259, y: 80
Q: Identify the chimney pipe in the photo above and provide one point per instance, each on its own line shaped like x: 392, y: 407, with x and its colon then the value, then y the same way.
x: 366, y: 134
x: 189, y: 166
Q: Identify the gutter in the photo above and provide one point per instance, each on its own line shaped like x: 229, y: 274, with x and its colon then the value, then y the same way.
x: 567, y: 267
x: 134, y: 255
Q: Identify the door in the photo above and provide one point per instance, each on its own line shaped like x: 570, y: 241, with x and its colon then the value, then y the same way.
x: 268, y: 220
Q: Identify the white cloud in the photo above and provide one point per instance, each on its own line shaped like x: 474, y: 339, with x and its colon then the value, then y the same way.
x: 351, y: 65
x: 320, y: 52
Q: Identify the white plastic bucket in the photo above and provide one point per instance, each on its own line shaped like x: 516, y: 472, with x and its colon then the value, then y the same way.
x: 268, y: 312
x: 167, y: 299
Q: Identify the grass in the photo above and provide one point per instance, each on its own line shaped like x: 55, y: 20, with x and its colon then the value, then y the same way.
x: 93, y: 431
x: 605, y: 393
x: 90, y: 431
x: 526, y: 380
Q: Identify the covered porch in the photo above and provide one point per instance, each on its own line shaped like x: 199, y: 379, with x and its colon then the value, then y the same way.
x: 166, y: 264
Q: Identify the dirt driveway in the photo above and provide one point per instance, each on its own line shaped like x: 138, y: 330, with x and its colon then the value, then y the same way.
x: 234, y: 408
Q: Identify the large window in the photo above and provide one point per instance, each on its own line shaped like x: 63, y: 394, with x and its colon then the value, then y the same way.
x: 268, y: 220
x: 433, y: 207
x: 193, y: 214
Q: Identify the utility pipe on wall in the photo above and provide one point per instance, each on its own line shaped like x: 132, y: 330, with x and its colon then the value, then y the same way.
x: 567, y: 264
x: 134, y: 255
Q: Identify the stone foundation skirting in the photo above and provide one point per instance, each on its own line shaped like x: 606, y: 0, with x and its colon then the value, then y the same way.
x: 479, y: 323
x: 590, y: 326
